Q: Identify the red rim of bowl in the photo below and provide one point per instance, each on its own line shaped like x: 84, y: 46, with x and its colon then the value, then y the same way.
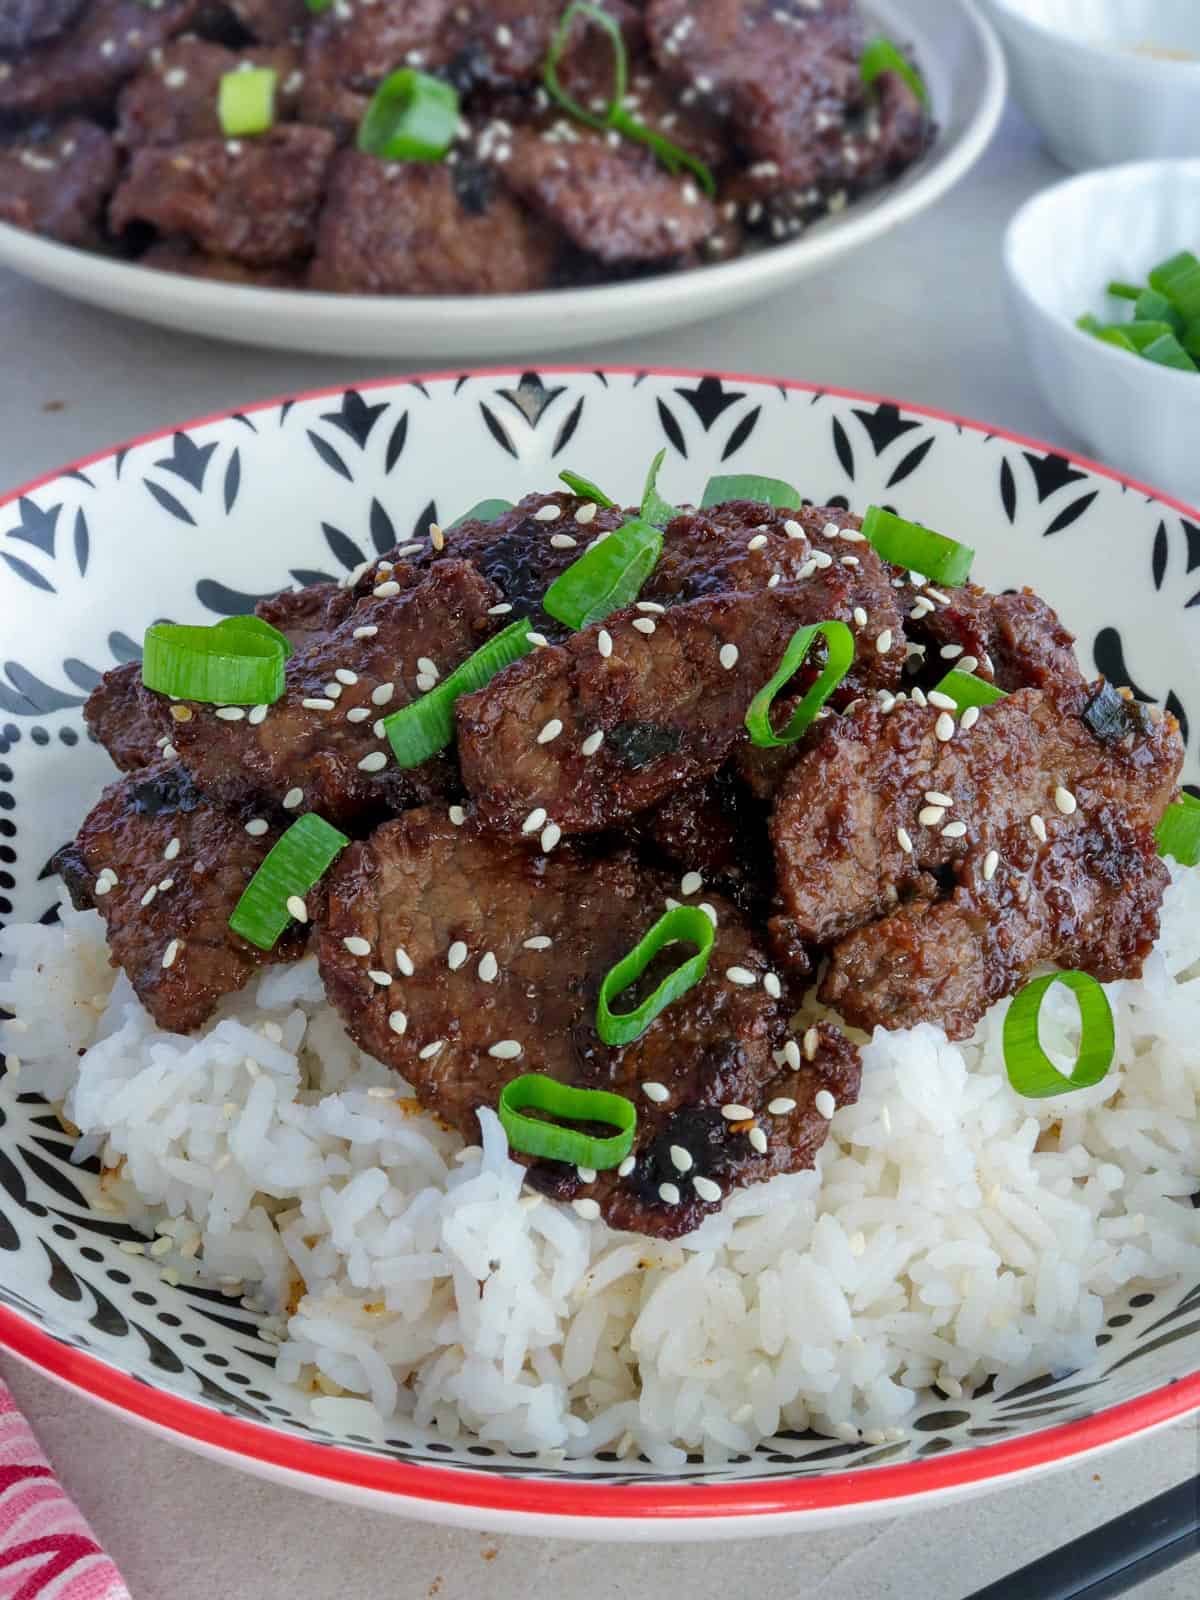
x: 539, y: 1498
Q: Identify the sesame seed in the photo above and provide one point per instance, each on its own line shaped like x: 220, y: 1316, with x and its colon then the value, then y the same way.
x: 103, y: 886
x: 954, y: 830
x: 883, y: 642
x: 728, y: 656
x: 456, y: 955
x: 374, y: 762
x: 1038, y: 826
x: 586, y: 512
x: 758, y: 1141
x: 500, y: 610
x: 772, y: 985
x: 344, y: 675
x: 917, y: 696
x: 379, y: 1092
x: 230, y: 713
x: 436, y: 537
x: 824, y: 1103
x: 626, y: 1166
x: 562, y: 541
x: 990, y: 862
x: 538, y: 640
x: 937, y: 698
x: 397, y: 1022
x: 1065, y: 801
x: 169, y: 954
x: 367, y: 632
x: 651, y: 605
x: 656, y: 1092
x: 969, y: 718
x: 707, y: 1189
x: 535, y: 820
x: 904, y: 840
x: 426, y: 666
x: 317, y: 703
x: 604, y: 643
x: 489, y: 967
x: 736, y: 1113
x: 968, y: 663
x: 165, y: 884
x: 644, y: 625
x: 774, y: 581
x: 538, y: 942
x: 382, y: 694
x: 681, y: 1159
x: 297, y: 908
x: 425, y: 681
x: 757, y: 542
x: 356, y: 945
x: 385, y: 591
x: 691, y: 883
x: 257, y: 714
x: 382, y: 979
x: 811, y: 1040
x: 781, y: 1106
x: 551, y: 730
x: 850, y: 561
x: 586, y: 1208
x: 937, y: 798
x: 149, y: 895
x: 505, y: 1050
x: 592, y: 743
x: 358, y: 714
x: 742, y: 976
x: 791, y: 1054
x: 944, y: 726
x: 549, y: 513
x: 551, y: 834
x: 860, y: 617
x: 333, y: 690
x: 668, y: 1193
x: 950, y: 652
x: 793, y: 529
x: 428, y: 1051
x: 457, y: 816
x: 930, y: 816
x: 172, y: 850
x: 936, y: 594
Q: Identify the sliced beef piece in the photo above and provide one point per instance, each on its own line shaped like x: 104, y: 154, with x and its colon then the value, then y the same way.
x: 130, y: 722
x: 1085, y: 896
x: 55, y: 182
x: 410, y: 227
x: 501, y: 42
x: 713, y: 827
x: 29, y: 22
x: 306, y: 614
x: 272, y: 21
x: 670, y: 703
x: 175, y: 97
x: 613, y: 201
x: 178, y: 866
x: 85, y: 65
x: 896, y: 132
x: 1015, y: 640
x: 317, y: 750
x: 351, y: 48
x: 255, y: 200
x: 484, y: 943
x: 178, y: 255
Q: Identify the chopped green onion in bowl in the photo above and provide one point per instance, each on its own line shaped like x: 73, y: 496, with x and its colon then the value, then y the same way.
x: 1165, y: 326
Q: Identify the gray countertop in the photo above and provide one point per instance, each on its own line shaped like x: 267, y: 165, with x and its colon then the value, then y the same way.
x: 919, y: 315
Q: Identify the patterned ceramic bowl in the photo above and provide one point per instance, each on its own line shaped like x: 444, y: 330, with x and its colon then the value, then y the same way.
x: 198, y: 522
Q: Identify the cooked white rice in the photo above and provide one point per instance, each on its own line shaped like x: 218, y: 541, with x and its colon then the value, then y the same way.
x: 951, y: 1230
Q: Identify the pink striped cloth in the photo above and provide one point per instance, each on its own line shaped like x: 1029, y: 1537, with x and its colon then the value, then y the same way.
x: 47, y: 1550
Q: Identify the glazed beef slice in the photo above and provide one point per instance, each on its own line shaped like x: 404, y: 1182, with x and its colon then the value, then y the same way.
x: 271, y: 21
x: 1014, y: 640
x: 409, y: 227
x: 165, y: 869
x: 353, y: 46
x: 130, y: 722
x: 253, y: 200
x: 463, y: 962
x: 56, y: 183
x: 30, y: 22
x: 176, y: 97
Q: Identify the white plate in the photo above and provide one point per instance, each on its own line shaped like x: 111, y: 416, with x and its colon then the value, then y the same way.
x: 193, y: 525
x: 963, y: 65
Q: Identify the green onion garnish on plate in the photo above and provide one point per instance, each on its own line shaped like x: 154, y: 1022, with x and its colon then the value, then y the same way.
x: 257, y: 625
x: 749, y: 486
x: 839, y: 658
x: 1178, y: 278
x: 686, y: 923
x: 536, y: 1136
x: 420, y: 730
x: 606, y: 577
x: 655, y: 510
x: 881, y: 55
x: 1030, y: 1070
x: 908, y: 544
x: 483, y: 511
x: 246, y: 101
x: 965, y: 689
x: 233, y: 663
x: 1178, y: 831
x: 411, y: 117
x: 274, y: 897
x: 584, y: 487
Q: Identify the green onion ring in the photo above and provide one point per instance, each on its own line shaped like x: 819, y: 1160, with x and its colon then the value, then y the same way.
x: 249, y: 623
x: 295, y: 862
x: 908, y: 544
x: 223, y: 665
x: 606, y: 577
x: 580, y: 485
x: 655, y: 510
x: 749, y: 486
x: 419, y: 730
x: 965, y: 689
x: 549, y: 1140
x: 1030, y: 1070
x: 681, y: 922
x: 483, y: 511
x: 246, y: 101
x: 838, y: 661
x: 1178, y: 831
x: 881, y: 55
x: 411, y: 117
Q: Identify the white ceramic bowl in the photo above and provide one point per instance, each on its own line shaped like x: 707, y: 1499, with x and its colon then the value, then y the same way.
x: 1082, y: 72
x: 1060, y: 251
x: 193, y: 524
x: 963, y: 65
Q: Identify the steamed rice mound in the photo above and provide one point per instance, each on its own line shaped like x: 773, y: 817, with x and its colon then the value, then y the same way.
x: 951, y: 1230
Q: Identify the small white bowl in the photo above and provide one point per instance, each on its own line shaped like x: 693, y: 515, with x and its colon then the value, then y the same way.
x: 1083, y: 71
x: 1060, y: 251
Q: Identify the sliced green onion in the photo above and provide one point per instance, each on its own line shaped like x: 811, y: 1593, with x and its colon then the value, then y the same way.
x: 839, y: 658
x: 965, y: 689
x: 615, y: 113
x: 682, y: 922
x: 1178, y: 831
x: 535, y: 1137
x: 1191, y: 341
x: 1179, y: 279
x: 1150, y: 306
x: 296, y: 861
x: 246, y: 101
x: 252, y: 624
x: 219, y: 665
x: 606, y: 577
x: 881, y: 55
x: 1140, y: 333
x: 580, y: 485
x: 1167, y: 351
x: 411, y: 117
x: 655, y: 510
x: 1087, y: 323
x: 748, y: 486
x: 317, y: 6
x: 1116, y: 335
x: 420, y: 730
x: 1030, y: 1070
x: 483, y: 511
x: 1125, y: 291
x: 907, y: 544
